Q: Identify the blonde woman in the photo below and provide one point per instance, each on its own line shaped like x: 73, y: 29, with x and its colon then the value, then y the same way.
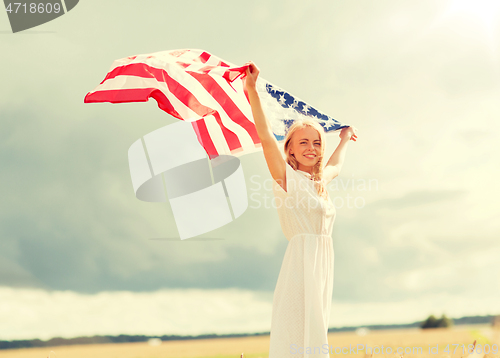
x: 303, y: 294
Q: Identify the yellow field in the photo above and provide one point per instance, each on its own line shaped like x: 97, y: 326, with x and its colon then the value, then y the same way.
x: 255, y: 347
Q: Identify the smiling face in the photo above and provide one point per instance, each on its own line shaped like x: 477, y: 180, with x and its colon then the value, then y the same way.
x: 306, y: 148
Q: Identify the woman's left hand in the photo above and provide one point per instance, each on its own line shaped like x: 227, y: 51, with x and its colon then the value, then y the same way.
x: 348, y: 133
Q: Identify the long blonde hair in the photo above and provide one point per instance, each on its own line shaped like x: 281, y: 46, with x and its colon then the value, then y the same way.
x: 317, y: 171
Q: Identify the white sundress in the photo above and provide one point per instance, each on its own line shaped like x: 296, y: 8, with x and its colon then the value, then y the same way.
x: 303, y: 295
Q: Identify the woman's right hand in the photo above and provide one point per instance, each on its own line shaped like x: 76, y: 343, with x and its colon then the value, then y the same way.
x: 251, y: 75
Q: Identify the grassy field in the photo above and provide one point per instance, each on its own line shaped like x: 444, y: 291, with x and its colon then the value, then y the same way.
x: 257, y: 347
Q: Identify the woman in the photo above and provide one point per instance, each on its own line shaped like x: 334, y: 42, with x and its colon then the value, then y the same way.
x: 303, y: 294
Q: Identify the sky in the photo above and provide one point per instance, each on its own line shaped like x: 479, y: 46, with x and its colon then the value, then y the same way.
x: 417, y: 227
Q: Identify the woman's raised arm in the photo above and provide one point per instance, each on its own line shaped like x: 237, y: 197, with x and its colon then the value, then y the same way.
x: 334, y: 164
x: 272, y: 152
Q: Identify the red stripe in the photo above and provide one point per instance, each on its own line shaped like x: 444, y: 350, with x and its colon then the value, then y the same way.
x: 227, y: 104
x: 232, y: 140
x: 200, y: 128
x: 142, y: 95
x: 246, y: 94
x: 203, y: 57
x: 145, y: 71
x: 206, y: 69
x: 235, y: 72
x: 132, y: 95
x: 184, y: 95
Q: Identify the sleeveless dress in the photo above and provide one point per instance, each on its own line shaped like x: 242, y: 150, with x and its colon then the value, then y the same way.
x: 303, y: 295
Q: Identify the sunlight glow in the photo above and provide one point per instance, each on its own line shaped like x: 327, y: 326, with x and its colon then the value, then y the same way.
x: 486, y: 12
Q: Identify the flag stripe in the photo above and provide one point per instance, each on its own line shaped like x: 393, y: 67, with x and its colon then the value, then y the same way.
x: 236, y: 136
x: 145, y: 71
x: 203, y: 57
x: 185, y: 96
x: 138, y: 83
x: 206, y: 69
x: 183, y: 64
x: 203, y: 96
x: 217, y: 136
x: 234, y: 90
x: 132, y: 95
x: 231, y: 138
x: 204, y: 138
x: 230, y: 108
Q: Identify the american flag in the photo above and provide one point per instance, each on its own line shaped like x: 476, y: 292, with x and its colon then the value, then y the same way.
x: 198, y: 87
